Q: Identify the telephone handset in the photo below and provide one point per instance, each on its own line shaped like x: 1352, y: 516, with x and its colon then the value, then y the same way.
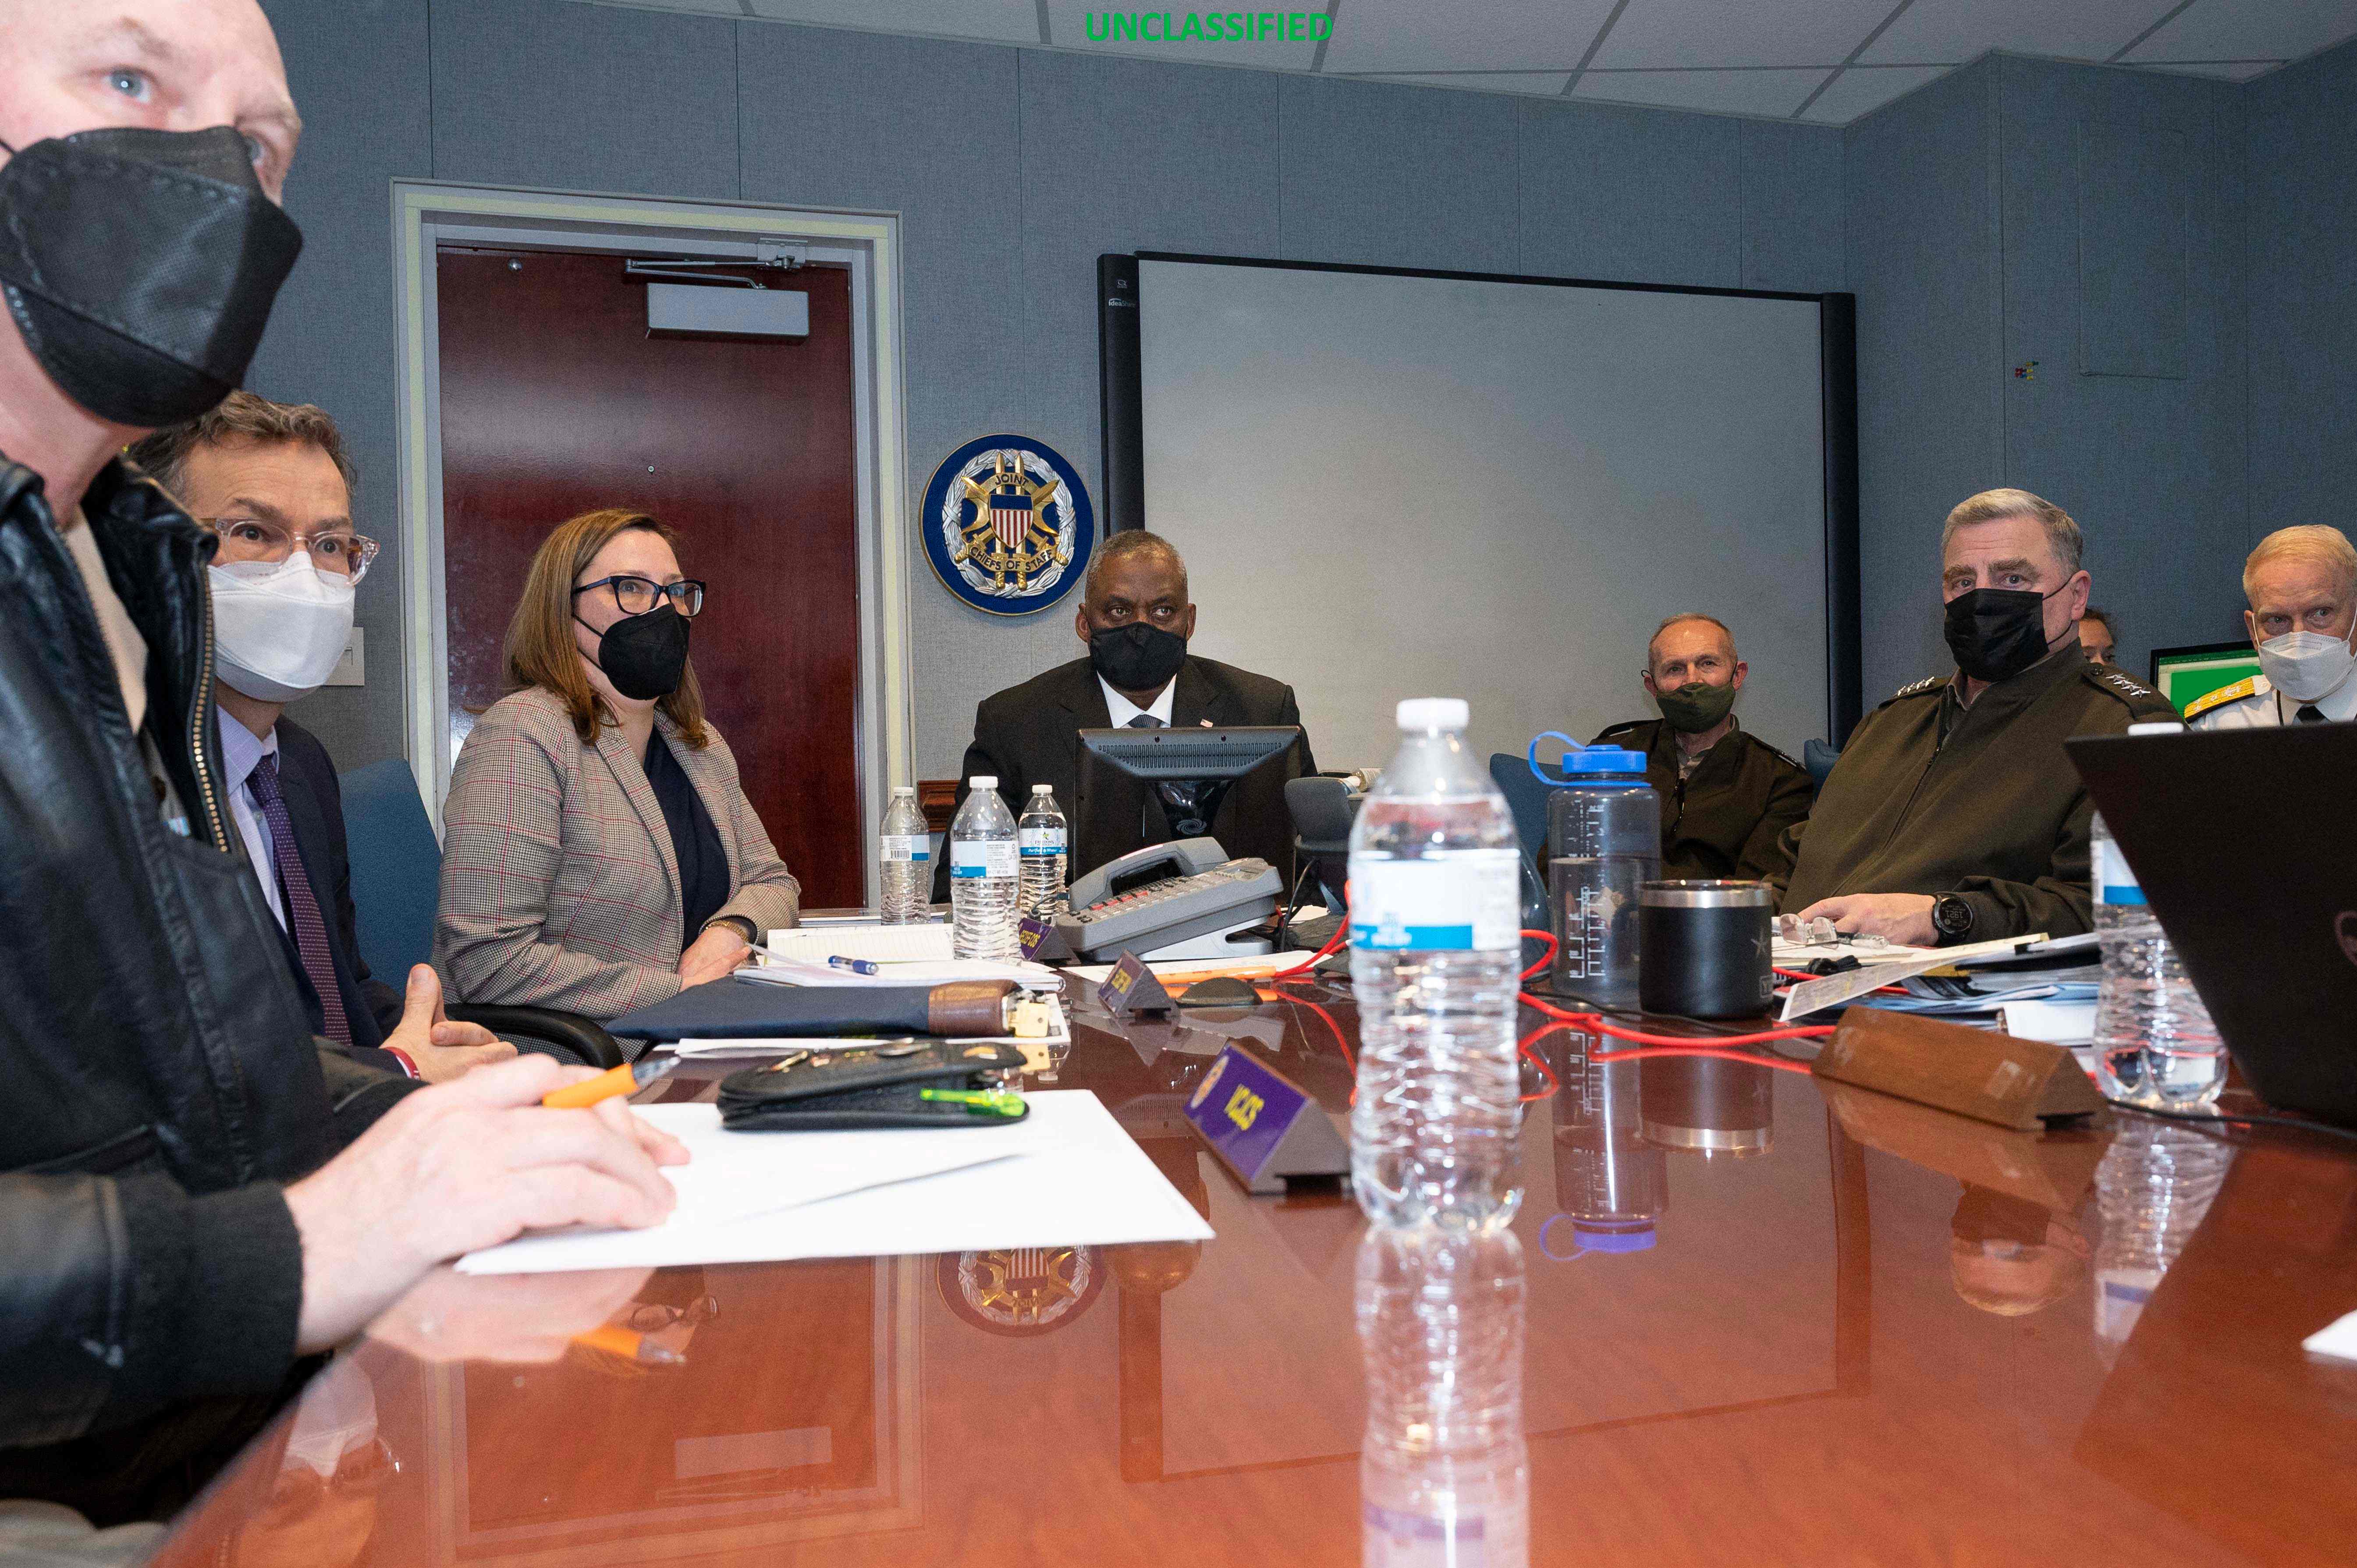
x: 1164, y: 894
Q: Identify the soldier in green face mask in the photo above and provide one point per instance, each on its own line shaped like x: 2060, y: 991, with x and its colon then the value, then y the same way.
x: 1727, y: 796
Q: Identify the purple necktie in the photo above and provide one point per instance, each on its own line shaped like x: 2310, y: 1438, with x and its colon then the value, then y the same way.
x: 302, y: 908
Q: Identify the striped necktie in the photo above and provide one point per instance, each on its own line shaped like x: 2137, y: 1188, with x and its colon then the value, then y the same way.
x: 302, y: 909
x: 2310, y: 714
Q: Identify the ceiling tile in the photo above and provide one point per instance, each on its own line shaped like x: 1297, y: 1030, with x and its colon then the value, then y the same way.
x: 1858, y: 92
x: 1683, y: 34
x: 1417, y: 36
x: 1949, y: 31
x: 1771, y: 92
x: 1072, y: 21
x: 1546, y: 83
x: 2240, y: 30
x: 2231, y: 70
x: 1003, y: 21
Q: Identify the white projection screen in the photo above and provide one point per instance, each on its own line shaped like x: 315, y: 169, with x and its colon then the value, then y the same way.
x: 1393, y: 484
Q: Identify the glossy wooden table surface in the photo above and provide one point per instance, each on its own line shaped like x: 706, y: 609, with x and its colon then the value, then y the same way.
x: 1764, y: 1324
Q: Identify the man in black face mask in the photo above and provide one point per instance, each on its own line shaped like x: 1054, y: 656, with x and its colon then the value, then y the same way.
x: 195, y: 1196
x: 1954, y: 814
x: 1135, y: 618
x: 1727, y: 795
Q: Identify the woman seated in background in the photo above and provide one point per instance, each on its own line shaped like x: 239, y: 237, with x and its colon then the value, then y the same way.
x: 598, y: 852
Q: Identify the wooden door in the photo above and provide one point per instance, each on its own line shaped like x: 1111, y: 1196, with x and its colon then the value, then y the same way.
x: 555, y: 402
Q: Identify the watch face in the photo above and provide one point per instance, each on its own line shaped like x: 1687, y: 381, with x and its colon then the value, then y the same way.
x: 1953, y: 916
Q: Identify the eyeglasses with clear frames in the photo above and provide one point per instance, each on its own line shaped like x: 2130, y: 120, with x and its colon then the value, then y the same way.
x: 636, y: 596
x: 336, y: 551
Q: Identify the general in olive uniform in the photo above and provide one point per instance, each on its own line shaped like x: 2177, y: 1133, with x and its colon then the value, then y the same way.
x: 1725, y: 816
x: 1955, y: 815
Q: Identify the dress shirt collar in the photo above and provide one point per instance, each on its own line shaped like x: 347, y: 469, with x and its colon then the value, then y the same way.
x: 241, y: 752
x: 1122, y: 710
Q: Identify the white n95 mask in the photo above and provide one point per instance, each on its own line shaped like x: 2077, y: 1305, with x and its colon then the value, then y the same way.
x: 2306, y: 666
x: 278, y: 629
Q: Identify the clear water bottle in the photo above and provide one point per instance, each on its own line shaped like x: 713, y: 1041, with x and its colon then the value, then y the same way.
x: 1444, y: 1474
x: 1604, y: 841
x: 905, y: 873
x: 1435, y: 947
x: 983, y: 856
x: 2155, y: 1044
x: 1041, y: 836
x: 2154, y: 1187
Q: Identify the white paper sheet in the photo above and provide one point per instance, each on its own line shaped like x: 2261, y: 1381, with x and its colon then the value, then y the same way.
x: 920, y: 944
x: 899, y: 971
x: 2337, y: 1339
x: 1086, y: 1183
x: 1810, y: 995
x: 2058, y: 1023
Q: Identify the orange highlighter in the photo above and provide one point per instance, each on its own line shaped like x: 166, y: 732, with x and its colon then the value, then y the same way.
x: 628, y: 1078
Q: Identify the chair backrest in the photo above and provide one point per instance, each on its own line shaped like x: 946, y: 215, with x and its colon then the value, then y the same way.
x: 396, y: 867
x: 1819, y: 756
x: 1526, y: 798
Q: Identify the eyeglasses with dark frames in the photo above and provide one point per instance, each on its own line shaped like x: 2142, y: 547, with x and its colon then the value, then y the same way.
x: 635, y: 595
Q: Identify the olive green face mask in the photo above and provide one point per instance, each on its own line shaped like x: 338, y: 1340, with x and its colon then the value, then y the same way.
x: 1695, y: 707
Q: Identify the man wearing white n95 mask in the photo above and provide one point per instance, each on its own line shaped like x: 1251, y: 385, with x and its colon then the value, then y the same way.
x: 273, y: 482
x: 2302, y: 585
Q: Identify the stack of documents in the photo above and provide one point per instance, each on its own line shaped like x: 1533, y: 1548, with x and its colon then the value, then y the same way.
x: 1067, y: 1175
x: 1057, y: 1037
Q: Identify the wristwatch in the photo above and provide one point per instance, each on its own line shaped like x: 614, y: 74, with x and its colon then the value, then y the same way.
x: 1952, y: 917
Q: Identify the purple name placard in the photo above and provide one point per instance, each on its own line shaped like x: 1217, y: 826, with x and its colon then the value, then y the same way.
x: 1263, y: 1127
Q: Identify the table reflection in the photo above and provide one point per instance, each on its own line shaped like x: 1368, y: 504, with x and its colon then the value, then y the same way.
x: 1444, y: 1472
x: 2154, y: 1189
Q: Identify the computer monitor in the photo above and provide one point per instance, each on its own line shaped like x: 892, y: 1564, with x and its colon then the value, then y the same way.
x: 2184, y: 675
x: 1191, y: 773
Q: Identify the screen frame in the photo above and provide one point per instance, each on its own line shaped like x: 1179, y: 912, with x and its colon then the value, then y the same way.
x: 1122, y: 449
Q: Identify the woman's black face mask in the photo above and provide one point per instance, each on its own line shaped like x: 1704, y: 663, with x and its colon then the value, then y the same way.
x: 645, y: 656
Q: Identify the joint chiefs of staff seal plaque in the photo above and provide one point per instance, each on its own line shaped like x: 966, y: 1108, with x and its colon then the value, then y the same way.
x: 1008, y: 525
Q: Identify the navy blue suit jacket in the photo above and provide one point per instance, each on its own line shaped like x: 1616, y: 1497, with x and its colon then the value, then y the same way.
x: 315, y: 809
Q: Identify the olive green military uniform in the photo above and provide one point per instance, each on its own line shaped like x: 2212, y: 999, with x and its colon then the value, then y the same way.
x: 1723, y: 819
x: 1931, y: 796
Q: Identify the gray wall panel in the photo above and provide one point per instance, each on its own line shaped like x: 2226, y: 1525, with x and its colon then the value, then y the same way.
x: 539, y: 92
x: 1639, y: 195
x: 1792, y: 206
x: 2153, y: 469
x: 359, y: 75
x: 1922, y: 259
x: 2135, y: 195
x: 1397, y: 176
x: 2302, y: 231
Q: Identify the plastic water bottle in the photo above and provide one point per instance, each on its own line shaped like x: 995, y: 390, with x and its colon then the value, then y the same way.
x: 1604, y: 841
x: 1444, y: 1474
x: 2154, y: 1187
x: 1040, y: 835
x: 1434, y: 948
x: 2155, y: 1044
x: 983, y: 874
x: 905, y: 873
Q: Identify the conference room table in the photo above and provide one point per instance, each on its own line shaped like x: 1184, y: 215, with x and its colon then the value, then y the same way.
x: 1765, y: 1318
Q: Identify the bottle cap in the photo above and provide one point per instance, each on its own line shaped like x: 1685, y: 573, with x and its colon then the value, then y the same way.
x: 1434, y: 713
x: 2158, y: 727
x: 1043, y: 788
x: 983, y: 781
x: 1602, y: 759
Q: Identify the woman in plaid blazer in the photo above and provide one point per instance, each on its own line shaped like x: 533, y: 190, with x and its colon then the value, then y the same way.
x: 598, y: 853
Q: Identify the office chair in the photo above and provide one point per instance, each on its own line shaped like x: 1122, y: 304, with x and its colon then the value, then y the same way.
x: 397, y: 881
x: 1819, y: 756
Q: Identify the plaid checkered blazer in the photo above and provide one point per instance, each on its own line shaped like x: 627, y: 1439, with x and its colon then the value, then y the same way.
x: 559, y: 884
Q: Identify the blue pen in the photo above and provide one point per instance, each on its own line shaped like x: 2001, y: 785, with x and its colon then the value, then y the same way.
x: 856, y: 965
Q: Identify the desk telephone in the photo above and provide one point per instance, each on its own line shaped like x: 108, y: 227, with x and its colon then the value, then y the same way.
x: 1164, y: 894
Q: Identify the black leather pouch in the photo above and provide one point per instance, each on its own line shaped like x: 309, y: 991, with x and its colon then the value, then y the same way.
x: 867, y: 1084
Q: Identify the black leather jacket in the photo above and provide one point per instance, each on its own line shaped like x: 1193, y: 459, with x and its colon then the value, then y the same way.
x: 157, y: 1081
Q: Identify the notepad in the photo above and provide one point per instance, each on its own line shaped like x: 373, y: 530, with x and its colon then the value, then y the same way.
x: 881, y: 944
